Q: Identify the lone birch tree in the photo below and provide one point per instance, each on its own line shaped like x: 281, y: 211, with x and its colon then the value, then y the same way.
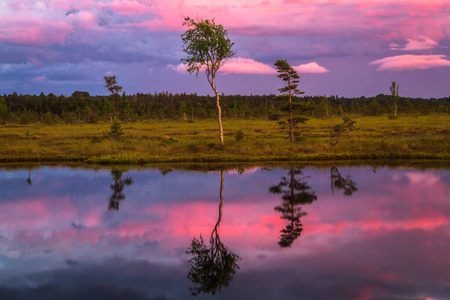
x: 207, y: 46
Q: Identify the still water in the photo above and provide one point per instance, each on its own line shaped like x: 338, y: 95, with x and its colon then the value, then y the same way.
x: 256, y: 233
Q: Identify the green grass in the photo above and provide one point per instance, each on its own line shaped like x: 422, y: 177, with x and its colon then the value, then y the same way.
x: 408, y: 137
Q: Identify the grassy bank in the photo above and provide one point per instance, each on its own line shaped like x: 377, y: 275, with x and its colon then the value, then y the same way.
x: 408, y: 137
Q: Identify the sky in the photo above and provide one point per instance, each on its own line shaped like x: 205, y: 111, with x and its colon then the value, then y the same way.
x: 348, y: 48
x: 58, y: 240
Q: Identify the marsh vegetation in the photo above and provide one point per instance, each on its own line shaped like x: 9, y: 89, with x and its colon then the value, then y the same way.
x: 408, y: 137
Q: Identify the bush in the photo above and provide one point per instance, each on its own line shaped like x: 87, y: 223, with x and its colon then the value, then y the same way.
x: 116, y: 129
x: 96, y: 139
x: 167, y: 141
x: 239, y: 136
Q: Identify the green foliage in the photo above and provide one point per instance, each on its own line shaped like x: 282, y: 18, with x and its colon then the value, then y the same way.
x: 394, y: 94
x: 13, y: 118
x: 291, y: 80
x: 206, y: 45
x: 111, y: 85
x: 145, y: 107
x: 374, y: 108
x: 183, y: 110
x: 336, y: 131
x: 167, y: 140
x: 426, y: 137
x: 96, y: 139
x: 239, y: 135
x: 49, y: 118
x: 116, y: 129
x: 69, y: 118
x: 289, y: 76
x: 3, y: 110
x: 325, y: 107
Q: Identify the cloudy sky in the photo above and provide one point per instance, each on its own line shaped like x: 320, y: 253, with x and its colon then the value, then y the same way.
x: 339, y: 47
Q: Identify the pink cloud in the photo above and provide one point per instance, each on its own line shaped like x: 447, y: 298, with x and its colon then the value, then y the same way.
x: 40, y: 78
x: 411, y: 62
x: 255, y: 17
x: 34, y: 33
x: 311, y: 67
x: 420, y: 43
x: 129, y: 6
x: 180, y: 68
x: 241, y: 65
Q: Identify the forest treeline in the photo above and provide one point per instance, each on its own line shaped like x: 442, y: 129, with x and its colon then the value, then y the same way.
x: 81, y: 107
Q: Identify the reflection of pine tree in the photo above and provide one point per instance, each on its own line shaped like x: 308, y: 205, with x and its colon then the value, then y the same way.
x: 295, y: 192
x: 117, y: 189
x: 211, y: 267
x: 341, y: 183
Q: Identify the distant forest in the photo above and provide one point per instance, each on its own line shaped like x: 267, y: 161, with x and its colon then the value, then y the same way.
x: 81, y: 107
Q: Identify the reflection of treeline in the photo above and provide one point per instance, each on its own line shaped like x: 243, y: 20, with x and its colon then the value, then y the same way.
x: 82, y: 107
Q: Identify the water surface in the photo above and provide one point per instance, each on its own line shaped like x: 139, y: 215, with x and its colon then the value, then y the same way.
x: 279, y: 233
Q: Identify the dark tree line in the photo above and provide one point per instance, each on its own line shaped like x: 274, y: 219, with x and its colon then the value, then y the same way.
x: 81, y: 107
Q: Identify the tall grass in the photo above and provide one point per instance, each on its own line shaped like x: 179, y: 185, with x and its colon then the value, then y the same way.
x: 425, y: 137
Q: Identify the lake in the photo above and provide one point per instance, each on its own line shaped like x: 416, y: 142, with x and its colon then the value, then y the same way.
x: 330, y: 232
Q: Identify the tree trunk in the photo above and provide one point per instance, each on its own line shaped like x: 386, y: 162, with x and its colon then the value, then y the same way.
x: 220, y: 207
x: 219, y: 111
x: 219, y: 117
x: 395, y: 109
x: 340, y: 108
x: 114, y: 106
x: 292, y: 194
x: 291, y: 121
x: 221, y: 195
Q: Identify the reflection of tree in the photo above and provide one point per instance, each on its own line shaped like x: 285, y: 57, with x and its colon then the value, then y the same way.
x: 165, y: 171
x: 28, y: 180
x: 211, y: 267
x: 295, y: 192
x: 117, y: 189
x: 341, y: 183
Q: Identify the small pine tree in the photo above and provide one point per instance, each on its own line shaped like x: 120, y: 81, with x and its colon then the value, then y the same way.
x: 116, y: 129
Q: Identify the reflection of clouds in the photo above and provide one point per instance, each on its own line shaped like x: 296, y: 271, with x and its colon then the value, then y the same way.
x: 420, y: 178
x: 112, y: 279
x: 389, y: 240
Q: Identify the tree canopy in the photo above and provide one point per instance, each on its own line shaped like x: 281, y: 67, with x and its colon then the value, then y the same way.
x: 206, y: 45
x: 291, y: 80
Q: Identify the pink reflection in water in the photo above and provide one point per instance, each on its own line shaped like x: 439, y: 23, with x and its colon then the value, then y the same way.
x: 393, y: 232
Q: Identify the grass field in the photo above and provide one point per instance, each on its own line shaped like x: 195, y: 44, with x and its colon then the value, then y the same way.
x: 408, y: 137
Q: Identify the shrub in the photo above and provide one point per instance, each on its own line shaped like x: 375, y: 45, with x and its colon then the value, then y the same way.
x: 239, y: 136
x: 96, y: 139
x: 116, y: 129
